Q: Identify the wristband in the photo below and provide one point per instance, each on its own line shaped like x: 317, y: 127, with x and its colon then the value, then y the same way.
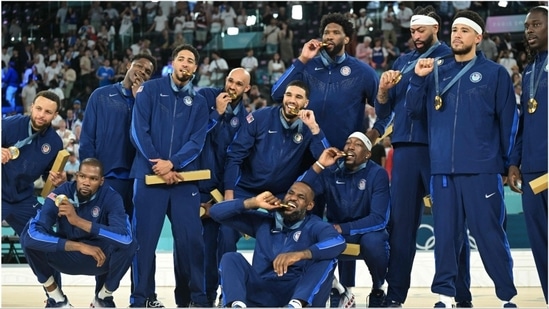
x: 319, y: 165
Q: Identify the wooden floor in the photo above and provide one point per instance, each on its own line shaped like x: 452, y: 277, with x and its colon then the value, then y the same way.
x: 81, y: 296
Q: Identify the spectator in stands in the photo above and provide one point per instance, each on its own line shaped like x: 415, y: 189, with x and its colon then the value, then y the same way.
x: 403, y: 17
x: 27, y: 95
x: 10, y: 84
x: 105, y: 73
x: 271, y: 37
x: 69, y: 77
x: 276, y: 68
x: 241, y: 20
x: 488, y: 47
x: 189, y: 27
x: 362, y: 25
x: 204, y: 73
x: 379, y: 56
x: 506, y: 60
x: 218, y: 69
x: 159, y: 24
x: 228, y: 15
x: 388, y: 20
x: 286, y: 41
x: 215, y: 25
x: 250, y: 64
x: 72, y: 166
x: 393, y: 52
x: 364, y: 51
x: 201, y: 21
x: 178, y: 21
x: 93, y: 237
x: 61, y: 18
x: 95, y: 14
x: 126, y: 28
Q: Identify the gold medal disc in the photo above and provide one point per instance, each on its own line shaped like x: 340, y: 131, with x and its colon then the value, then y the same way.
x: 438, y: 102
x: 532, y: 105
x: 59, y: 199
x: 14, y: 151
x: 397, y: 78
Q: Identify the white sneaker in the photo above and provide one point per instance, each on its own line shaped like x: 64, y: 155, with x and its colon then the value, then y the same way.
x: 347, y: 299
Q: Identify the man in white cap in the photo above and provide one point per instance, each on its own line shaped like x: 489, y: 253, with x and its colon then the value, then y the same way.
x: 356, y: 190
x: 410, y: 182
x: 362, y: 25
x: 472, y: 122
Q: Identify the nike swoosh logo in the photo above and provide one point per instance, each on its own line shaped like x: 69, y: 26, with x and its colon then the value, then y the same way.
x: 340, y: 182
x: 194, y: 193
x: 489, y: 195
x: 413, y: 20
x: 164, y: 95
x: 446, y: 78
x: 527, y: 73
x: 271, y: 132
x: 316, y: 69
x: 113, y: 94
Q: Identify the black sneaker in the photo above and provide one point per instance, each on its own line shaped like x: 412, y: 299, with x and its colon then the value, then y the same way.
x: 387, y: 303
x: 52, y: 303
x: 464, y: 304
x: 441, y: 305
x: 334, y: 298
x: 107, y: 302
x: 376, y: 298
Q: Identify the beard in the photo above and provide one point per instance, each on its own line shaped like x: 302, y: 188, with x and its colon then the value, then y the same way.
x: 335, y: 51
x: 426, y: 44
x: 462, y: 51
x: 182, y: 78
x: 38, y: 127
x: 293, y: 217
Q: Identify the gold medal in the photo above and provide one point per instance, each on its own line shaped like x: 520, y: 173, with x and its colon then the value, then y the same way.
x: 438, y: 102
x: 60, y: 198
x: 232, y: 95
x: 14, y: 151
x: 532, y: 105
x: 294, y: 111
x: 397, y: 78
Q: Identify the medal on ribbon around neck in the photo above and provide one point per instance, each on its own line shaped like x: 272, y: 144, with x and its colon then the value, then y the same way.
x: 438, y: 102
x: 60, y: 199
x: 14, y: 151
x: 532, y: 105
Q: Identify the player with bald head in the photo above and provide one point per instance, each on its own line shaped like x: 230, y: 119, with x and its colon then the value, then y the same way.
x: 410, y: 182
x: 227, y: 112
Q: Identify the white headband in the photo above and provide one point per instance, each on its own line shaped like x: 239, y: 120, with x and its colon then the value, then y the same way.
x: 422, y: 20
x: 468, y: 22
x: 363, y: 138
x: 543, y: 7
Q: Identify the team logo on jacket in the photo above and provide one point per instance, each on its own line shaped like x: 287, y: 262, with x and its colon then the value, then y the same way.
x: 46, y: 148
x: 297, y: 235
x: 298, y: 138
x: 440, y: 61
x: 139, y: 89
x: 475, y: 77
x: 362, y: 184
x: 188, y: 100
x: 234, y: 122
x: 95, y: 211
x: 345, y: 71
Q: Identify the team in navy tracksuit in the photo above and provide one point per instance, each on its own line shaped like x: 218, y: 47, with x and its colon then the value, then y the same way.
x: 357, y: 199
x: 339, y: 91
x: 221, y: 132
x: 410, y: 182
x: 45, y: 236
x: 18, y: 175
x: 277, y: 241
x: 530, y: 152
x: 106, y: 128
x: 470, y: 140
x: 168, y: 123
